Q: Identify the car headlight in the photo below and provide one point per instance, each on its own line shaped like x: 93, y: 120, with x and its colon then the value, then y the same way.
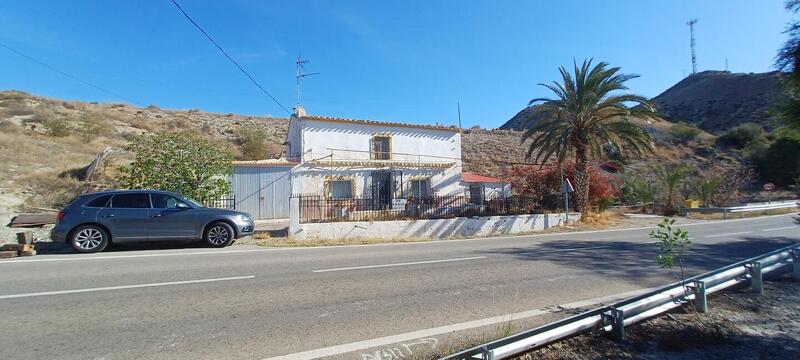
x: 243, y: 219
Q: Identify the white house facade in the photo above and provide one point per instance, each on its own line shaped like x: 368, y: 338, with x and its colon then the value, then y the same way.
x: 347, y: 158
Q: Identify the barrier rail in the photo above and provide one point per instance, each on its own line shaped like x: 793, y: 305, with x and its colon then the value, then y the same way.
x: 613, y: 318
x: 787, y: 204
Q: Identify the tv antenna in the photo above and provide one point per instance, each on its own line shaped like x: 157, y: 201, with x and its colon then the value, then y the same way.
x: 300, y: 75
x: 691, y: 36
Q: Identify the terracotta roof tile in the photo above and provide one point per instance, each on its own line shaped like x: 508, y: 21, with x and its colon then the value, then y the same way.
x: 375, y: 122
x: 471, y: 177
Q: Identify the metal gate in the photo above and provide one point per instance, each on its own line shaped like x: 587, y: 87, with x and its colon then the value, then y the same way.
x: 262, y: 191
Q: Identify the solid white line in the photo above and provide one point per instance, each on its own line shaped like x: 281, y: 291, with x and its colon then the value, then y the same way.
x: 386, y: 340
x: 399, y: 264
x: 62, y: 292
x: 782, y: 228
x: 728, y: 234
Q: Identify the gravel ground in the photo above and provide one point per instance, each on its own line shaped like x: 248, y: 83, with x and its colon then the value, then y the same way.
x: 739, y: 325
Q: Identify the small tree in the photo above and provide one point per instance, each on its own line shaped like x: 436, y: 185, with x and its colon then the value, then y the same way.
x: 683, y: 132
x: 181, y: 162
x: 673, y: 243
x: 670, y: 176
x: 254, y: 144
x: 705, y: 188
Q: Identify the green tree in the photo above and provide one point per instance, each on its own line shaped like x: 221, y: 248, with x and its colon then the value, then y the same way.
x: 780, y: 162
x: 587, y: 112
x: 705, y: 187
x: 788, y: 59
x: 742, y: 135
x: 254, y: 144
x: 670, y: 176
x: 683, y: 132
x: 181, y: 162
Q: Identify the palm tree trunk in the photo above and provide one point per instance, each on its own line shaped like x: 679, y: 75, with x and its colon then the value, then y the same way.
x: 581, y: 180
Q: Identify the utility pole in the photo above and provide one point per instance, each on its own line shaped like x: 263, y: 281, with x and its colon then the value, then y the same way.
x: 300, y: 75
x: 459, y: 114
x: 691, y: 36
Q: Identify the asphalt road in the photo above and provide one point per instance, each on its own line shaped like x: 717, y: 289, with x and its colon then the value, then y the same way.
x: 255, y: 303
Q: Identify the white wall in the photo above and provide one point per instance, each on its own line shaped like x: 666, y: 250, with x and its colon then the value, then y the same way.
x: 309, y: 180
x: 422, y: 144
x: 434, y: 229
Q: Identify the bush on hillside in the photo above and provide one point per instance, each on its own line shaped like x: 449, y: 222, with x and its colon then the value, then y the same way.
x: 254, y: 144
x: 91, y: 127
x: 181, y: 162
x: 779, y: 163
x: 57, y: 126
x: 743, y: 135
x: 682, y: 132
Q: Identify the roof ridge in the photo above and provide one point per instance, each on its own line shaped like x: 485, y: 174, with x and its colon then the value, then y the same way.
x: 451, y: 128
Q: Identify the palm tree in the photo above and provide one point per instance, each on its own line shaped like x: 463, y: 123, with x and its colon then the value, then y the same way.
x: 670, y: 175
x: 587, y: 113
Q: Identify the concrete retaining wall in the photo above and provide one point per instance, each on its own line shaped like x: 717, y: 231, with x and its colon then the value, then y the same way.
x: 436, y: 229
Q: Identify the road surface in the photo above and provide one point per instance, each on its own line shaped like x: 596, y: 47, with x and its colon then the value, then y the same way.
x: 297, y: 303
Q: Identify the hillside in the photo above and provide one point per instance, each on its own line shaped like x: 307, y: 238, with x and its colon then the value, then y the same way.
x: 713, y: 100
x: 39, y: 167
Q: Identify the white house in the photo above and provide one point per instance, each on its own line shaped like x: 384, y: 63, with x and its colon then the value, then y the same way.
x: 345, y: 158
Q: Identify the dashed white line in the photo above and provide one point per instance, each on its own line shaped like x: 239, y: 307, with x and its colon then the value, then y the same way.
x: 728, y: 234
x: 399, y: 264
x: 782, y: 228
x: 565, y: 250
x: 136, y: 286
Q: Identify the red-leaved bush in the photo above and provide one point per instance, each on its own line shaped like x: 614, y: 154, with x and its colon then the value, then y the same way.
x: 541, y: 182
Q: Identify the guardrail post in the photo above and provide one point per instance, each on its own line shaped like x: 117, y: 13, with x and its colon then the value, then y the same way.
x: 700, y: 298
x: 618, y: 323
x: 756, y: 278
x: 796, y: 263
x: 488, y: 354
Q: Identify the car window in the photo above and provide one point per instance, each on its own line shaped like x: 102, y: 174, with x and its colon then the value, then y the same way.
x: 162, y: 201
x: 131, y: 201
x: 101, y: 201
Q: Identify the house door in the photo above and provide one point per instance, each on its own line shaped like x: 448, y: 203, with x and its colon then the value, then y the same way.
x: 382, y: 188
x: 476, y: 194
x: 263, y: 192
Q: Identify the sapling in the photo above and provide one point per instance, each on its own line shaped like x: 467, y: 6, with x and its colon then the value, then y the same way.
x: 673, y: 243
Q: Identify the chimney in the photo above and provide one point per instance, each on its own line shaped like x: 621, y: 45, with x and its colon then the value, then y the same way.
x: 299, y: 111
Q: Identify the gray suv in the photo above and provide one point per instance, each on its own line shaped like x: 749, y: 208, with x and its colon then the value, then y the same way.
x: 92, y: 221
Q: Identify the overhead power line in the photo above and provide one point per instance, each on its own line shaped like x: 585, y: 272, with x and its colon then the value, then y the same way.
x: 228, y: 56
x: 68, y: 75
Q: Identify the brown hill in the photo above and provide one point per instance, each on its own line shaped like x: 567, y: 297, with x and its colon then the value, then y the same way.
x: 713, y: 100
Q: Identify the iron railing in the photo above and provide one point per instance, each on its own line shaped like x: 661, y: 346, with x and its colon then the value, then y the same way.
x: 322, y: 209
x: 613, y: 318
x: 221, y: 203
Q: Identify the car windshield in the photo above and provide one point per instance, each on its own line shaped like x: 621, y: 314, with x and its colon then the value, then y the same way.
x: 195, y: 203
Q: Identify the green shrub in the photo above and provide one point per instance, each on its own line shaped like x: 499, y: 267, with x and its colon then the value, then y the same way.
x: 57, y: 127
x: 780, y: 162
x: 254, y: 144
x: 743, y: 135
x: 181, y: 162
x: 682, y: 132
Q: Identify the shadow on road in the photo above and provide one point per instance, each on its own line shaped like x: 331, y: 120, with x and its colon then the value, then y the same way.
x: 50, y: 248
x: 637, y: 260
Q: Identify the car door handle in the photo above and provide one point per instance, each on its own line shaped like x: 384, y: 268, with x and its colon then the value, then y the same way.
x: 156, y: 215
x: 107, y: 215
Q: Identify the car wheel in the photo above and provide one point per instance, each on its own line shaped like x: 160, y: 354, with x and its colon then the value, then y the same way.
x: 88, y: 239
x: 219, y: 234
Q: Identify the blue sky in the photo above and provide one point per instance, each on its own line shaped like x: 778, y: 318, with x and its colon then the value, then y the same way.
x: 407, y: 61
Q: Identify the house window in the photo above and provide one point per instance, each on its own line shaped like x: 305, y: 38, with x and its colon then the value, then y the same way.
x: 340, y: 189
x: 476, y: 194
x: 420, y: 188
x: 381, y: 148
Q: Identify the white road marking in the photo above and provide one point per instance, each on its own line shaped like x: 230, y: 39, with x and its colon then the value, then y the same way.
x: 107, y: 288
x: 728, y: 234
x: 386, y: 340
x: 399, y: 264
x: 782, y: 228
x: 429, y: 242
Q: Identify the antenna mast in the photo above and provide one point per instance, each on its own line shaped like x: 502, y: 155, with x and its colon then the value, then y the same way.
x: 691, y: 35
x: 300, y: 75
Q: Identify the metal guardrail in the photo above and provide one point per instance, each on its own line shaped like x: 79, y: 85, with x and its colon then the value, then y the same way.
x: 613, y: 318
x: 787, y: 204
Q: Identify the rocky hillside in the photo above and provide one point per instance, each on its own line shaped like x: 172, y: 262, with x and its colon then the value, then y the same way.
x: 713, y: 100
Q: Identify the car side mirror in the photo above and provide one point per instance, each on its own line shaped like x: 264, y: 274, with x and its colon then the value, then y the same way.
x: 181, y: 206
